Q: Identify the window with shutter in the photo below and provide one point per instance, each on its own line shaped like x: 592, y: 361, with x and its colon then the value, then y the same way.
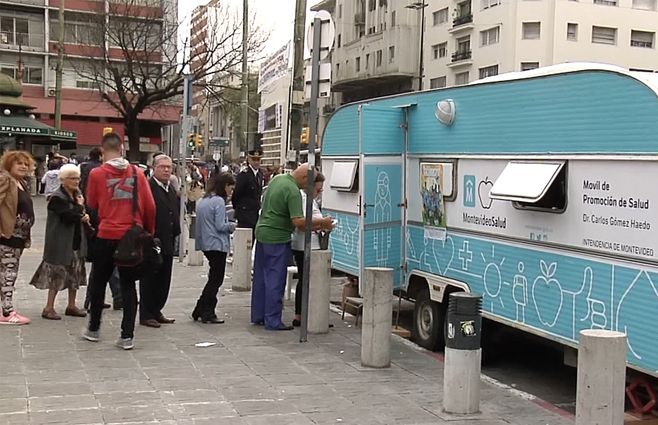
x: 604, y: 35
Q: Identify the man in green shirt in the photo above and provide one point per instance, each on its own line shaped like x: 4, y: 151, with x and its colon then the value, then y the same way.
x: 281, y: 213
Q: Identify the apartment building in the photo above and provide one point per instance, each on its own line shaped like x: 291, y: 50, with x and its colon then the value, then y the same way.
x: 466, y: 40
x: 28, y: 52
x: 376, y: 49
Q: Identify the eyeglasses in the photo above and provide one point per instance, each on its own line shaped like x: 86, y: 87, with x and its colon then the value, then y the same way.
x: 72, y: 178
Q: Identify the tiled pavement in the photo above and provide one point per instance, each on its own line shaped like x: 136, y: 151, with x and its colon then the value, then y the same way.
x: 48, y: 375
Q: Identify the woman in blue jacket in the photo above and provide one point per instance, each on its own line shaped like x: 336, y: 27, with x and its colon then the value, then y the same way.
x: 213, y: 235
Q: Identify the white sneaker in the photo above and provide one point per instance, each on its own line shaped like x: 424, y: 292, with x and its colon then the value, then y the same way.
x: 125, y: 343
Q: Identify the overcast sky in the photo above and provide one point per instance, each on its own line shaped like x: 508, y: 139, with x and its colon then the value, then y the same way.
x: 275, y: 16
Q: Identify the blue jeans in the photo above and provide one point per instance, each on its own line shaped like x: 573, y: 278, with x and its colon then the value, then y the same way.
x: 269, y: 284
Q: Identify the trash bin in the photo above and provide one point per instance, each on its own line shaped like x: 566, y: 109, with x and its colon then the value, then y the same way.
x: 464, y: 322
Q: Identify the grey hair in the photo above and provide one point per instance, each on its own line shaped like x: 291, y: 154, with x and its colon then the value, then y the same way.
x: 160, y: 157
x: 68, y: 170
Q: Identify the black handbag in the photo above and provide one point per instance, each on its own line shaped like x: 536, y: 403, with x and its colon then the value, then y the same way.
x: 137, y: 246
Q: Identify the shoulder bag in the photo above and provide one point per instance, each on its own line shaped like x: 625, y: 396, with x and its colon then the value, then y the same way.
x: 137, y: 247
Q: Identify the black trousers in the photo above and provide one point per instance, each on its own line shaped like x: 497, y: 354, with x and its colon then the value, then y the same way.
x: 299, y: 261
x: 207, y: 302
x: 154, y: 290
x: 103, y: 266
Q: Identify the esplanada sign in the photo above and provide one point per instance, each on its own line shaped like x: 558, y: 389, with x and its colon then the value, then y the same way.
x: 23, y: 130
x: 37, y: 131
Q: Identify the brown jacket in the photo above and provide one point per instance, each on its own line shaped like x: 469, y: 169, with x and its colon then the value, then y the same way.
x: 8, y: 204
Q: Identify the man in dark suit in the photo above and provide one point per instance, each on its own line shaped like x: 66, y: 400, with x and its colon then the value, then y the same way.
x: 154, y: 288
x: 248, y: 190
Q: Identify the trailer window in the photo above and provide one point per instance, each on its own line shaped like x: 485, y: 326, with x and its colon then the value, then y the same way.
x: 533, y: 185
x: 344, y: 176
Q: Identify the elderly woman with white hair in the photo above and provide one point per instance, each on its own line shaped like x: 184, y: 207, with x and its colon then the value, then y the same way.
x: 63, y: 265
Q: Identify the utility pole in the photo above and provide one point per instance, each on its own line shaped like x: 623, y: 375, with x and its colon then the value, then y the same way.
x: 297, y: 104
x: 244, y: 117
x: 59, y: 68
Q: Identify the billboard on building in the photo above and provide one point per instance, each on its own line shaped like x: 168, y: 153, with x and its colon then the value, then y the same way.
x: 274, y: 67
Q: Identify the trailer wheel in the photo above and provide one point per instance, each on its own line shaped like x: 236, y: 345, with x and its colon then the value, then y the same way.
x: 429, y: 317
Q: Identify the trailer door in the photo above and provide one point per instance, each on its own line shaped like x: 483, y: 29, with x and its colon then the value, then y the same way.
x: 382, y: 143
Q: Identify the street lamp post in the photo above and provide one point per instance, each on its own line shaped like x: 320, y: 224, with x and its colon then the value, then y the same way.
x: 420, y: 5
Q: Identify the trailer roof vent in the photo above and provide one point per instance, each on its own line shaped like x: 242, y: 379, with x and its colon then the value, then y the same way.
x: 445, y: 112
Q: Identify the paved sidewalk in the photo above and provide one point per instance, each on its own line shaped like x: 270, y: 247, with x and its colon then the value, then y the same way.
x: 251, y: 376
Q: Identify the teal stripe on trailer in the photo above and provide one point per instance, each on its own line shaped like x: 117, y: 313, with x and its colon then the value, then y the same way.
x: 554, y: 294
x: 344, y: 242
x: 583, y: 112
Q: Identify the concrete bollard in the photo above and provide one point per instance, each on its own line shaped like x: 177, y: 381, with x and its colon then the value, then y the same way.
x: 242, y: 242
x: 463, y: 354
x: 318, y: 293
x: 601, y: 381
x: 377, y: 317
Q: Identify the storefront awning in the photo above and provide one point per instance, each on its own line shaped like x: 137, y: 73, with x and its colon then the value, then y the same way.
x: 25, y: 126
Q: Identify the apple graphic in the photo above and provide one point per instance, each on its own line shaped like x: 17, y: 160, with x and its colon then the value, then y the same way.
x: 547, y: 295
x: 483, y: 193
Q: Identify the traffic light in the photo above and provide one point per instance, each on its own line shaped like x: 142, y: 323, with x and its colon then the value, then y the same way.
x: 190, y: 140
x: 303, y: 138
x: 198, y: 140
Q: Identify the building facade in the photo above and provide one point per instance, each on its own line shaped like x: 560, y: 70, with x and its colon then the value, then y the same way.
x: 28, y: 52
x: 466, y: 40
x: 376, y: 47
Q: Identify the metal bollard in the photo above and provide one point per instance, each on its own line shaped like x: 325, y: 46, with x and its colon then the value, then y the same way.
x: 318, y: 292
x: 377, y: 317
x: 601, y: 378
x: 463, y: 354
x: 194, y: 257
x: 241, y: 277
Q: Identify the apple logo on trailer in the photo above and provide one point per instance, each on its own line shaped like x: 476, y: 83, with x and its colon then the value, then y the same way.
x: 484, y: 188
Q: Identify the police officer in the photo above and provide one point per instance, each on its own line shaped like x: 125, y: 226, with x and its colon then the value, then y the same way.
x: 248, y: 191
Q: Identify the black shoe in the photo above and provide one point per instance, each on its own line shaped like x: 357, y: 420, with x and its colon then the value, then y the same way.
x: 212, y: 320
x: 118, y: 305
x: 106, y: 305
x: 296, y: 322
x: 195, y: 314
x: 281, y: 327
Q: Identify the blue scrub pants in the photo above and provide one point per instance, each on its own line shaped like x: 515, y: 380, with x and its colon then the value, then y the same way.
x: 269, y: 284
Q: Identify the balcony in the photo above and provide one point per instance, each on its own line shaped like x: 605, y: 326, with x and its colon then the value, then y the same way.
x: 461, y: 23
x: 460, y: 58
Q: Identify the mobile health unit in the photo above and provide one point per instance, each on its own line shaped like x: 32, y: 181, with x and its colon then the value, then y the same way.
x: 537, y: 190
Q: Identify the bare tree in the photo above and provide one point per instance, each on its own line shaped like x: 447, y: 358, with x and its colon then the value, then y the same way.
x: 137, y: 63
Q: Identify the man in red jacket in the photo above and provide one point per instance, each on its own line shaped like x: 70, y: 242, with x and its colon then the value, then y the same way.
x: 110, y: 191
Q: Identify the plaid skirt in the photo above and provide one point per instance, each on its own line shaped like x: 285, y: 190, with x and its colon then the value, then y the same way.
x: 51, y: 276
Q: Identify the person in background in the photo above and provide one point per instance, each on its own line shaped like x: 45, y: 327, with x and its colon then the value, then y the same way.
x: 63, y: 265
x: 39, y: 172
x: 282, y: 213
x: 248, y: 191
x: 154, y: 288
x: 51, y: 179
x: 297, y: 244
x: 110, y: 191
x: 16, y: 221
x: 95, y: 161
x: 213, y: 234
x: 73, y: 159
